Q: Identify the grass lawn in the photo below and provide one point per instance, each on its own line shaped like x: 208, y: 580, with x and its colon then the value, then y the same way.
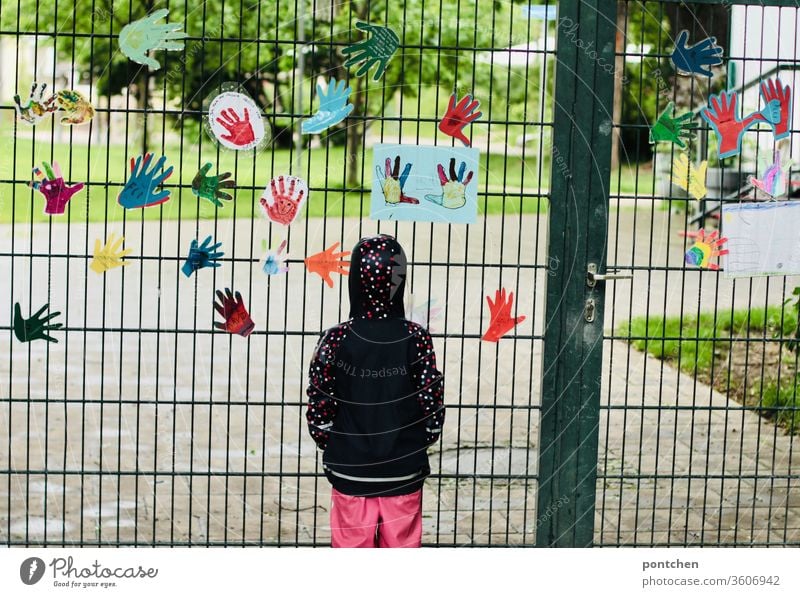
x: 324, y: 169
x: 728, y: 351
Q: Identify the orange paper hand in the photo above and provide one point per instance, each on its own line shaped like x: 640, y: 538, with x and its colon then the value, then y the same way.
x: 501, y: 321
x: 327, y: 262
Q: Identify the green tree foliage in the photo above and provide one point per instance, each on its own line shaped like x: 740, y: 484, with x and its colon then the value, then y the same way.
x: 255, y: 44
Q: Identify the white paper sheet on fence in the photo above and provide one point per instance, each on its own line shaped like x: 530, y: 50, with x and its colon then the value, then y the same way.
x: 763, y: 239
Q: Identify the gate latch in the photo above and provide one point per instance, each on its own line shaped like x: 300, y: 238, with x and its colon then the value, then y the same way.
x: 592, y: 277
x: 588, y: 310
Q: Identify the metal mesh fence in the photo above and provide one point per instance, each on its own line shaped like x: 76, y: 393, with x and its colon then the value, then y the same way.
x: 696, y: 443
x: 143, y: 425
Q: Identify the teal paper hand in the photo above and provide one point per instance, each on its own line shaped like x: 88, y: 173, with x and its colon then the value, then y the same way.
x: 145, y: 35
x: 205, y: 255
x: 140, y: 189
x: 378, y: 49
x: 674, y: 130
x: 27, y: 330
x: 208, y: 187
x: 333, y: 108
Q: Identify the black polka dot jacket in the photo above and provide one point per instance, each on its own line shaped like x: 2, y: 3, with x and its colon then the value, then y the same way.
x: 375, y: 397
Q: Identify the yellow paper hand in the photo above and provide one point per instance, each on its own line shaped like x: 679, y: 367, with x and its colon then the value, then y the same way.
x: 689, y: 177
x: 109, y: 256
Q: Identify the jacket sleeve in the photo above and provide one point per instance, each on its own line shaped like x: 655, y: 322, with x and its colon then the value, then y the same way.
x: 429, y: 384
x: 321, y: 390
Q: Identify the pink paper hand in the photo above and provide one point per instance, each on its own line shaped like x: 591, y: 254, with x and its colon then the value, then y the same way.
x: 57, y: 193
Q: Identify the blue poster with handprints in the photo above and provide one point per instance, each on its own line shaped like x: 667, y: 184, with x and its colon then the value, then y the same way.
x: 421, y: 183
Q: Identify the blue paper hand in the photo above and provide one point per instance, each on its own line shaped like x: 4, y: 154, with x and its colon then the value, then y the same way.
x: 333, y: 108
x: 139, y: 191
x: 205, y: 255
x: 693, y: 59
x: 140, y: 37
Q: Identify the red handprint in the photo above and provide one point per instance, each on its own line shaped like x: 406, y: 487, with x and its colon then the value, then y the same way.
x: 458, y: 116
x: 281, y: 206
x: 240, y: 132
x: 327, y: 262
x: 501, y: 320
x: 776, y: 91
x: 724, y: 119
x: 233, y: 311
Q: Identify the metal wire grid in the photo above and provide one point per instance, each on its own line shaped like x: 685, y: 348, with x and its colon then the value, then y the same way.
x: 691, y: 466
x: 144, y: 427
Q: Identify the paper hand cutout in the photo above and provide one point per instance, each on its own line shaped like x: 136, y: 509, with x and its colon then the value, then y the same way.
x: 704, y: 249
x: 775, y: 91
x: 140, y: 190
x: 240, y: 131
x: 333, y: 108
x: 275, y: 261
x: 693, y: 59
x: 773, y: 182
x: 501, y: 320
x: 425, y: 313
x: 393, y: 182
x: 109, y: 256
x: 27, y: 330
x: 281, y: 206
x: 208, y: 187
x: 57, y: 193
x: 205, y: 255
x: 233, y: 311
x: 674, y: 130
x: 723, y: 117
x: 689, y: 177
x: 327, y: 262
x: 36, y: 108
x: 454, y: 189
x: 78, y: 108
x: 378, y: 49
x: 145, y: 35
x: 459, y: 116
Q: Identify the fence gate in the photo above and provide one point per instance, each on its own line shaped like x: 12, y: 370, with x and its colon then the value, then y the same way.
x: 143, y: 425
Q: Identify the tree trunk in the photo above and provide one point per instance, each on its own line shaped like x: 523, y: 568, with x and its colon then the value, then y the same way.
x: 619, y: 73
x: 355, y: 138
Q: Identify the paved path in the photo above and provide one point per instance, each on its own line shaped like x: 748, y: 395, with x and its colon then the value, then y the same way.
x: 200, y: 436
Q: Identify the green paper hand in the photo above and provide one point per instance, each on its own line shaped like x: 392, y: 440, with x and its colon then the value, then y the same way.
x: 140, y: 37
x: 27, y: 330
x: 378, y: 49
x: 671, y: 129
x: 208, y: 187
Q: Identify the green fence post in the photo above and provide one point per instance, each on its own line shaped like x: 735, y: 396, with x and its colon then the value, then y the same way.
x: 579, y: 191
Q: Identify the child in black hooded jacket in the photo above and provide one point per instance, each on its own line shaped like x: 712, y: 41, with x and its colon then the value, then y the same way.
x: 376, y: 402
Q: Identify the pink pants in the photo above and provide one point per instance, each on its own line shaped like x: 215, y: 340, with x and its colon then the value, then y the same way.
x: 394, y: 521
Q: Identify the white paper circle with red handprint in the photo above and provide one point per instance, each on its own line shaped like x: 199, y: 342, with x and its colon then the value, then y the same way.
x: 236, y: 121
x: 282, y: 199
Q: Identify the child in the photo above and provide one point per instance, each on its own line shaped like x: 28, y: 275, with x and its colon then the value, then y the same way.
x: 376, y: 402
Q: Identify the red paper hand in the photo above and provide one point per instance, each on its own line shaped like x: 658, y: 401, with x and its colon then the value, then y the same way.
x: 776, y: 91
x: 458, y: 116
x: 240, y: 132
x: 284, y: 205
x: 501, y: 321
x: 233, y: 311
x: 327, y: 262
x: 724, y: 119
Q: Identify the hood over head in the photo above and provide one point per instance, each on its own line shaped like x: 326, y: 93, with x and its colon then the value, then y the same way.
x: 377, y: 278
